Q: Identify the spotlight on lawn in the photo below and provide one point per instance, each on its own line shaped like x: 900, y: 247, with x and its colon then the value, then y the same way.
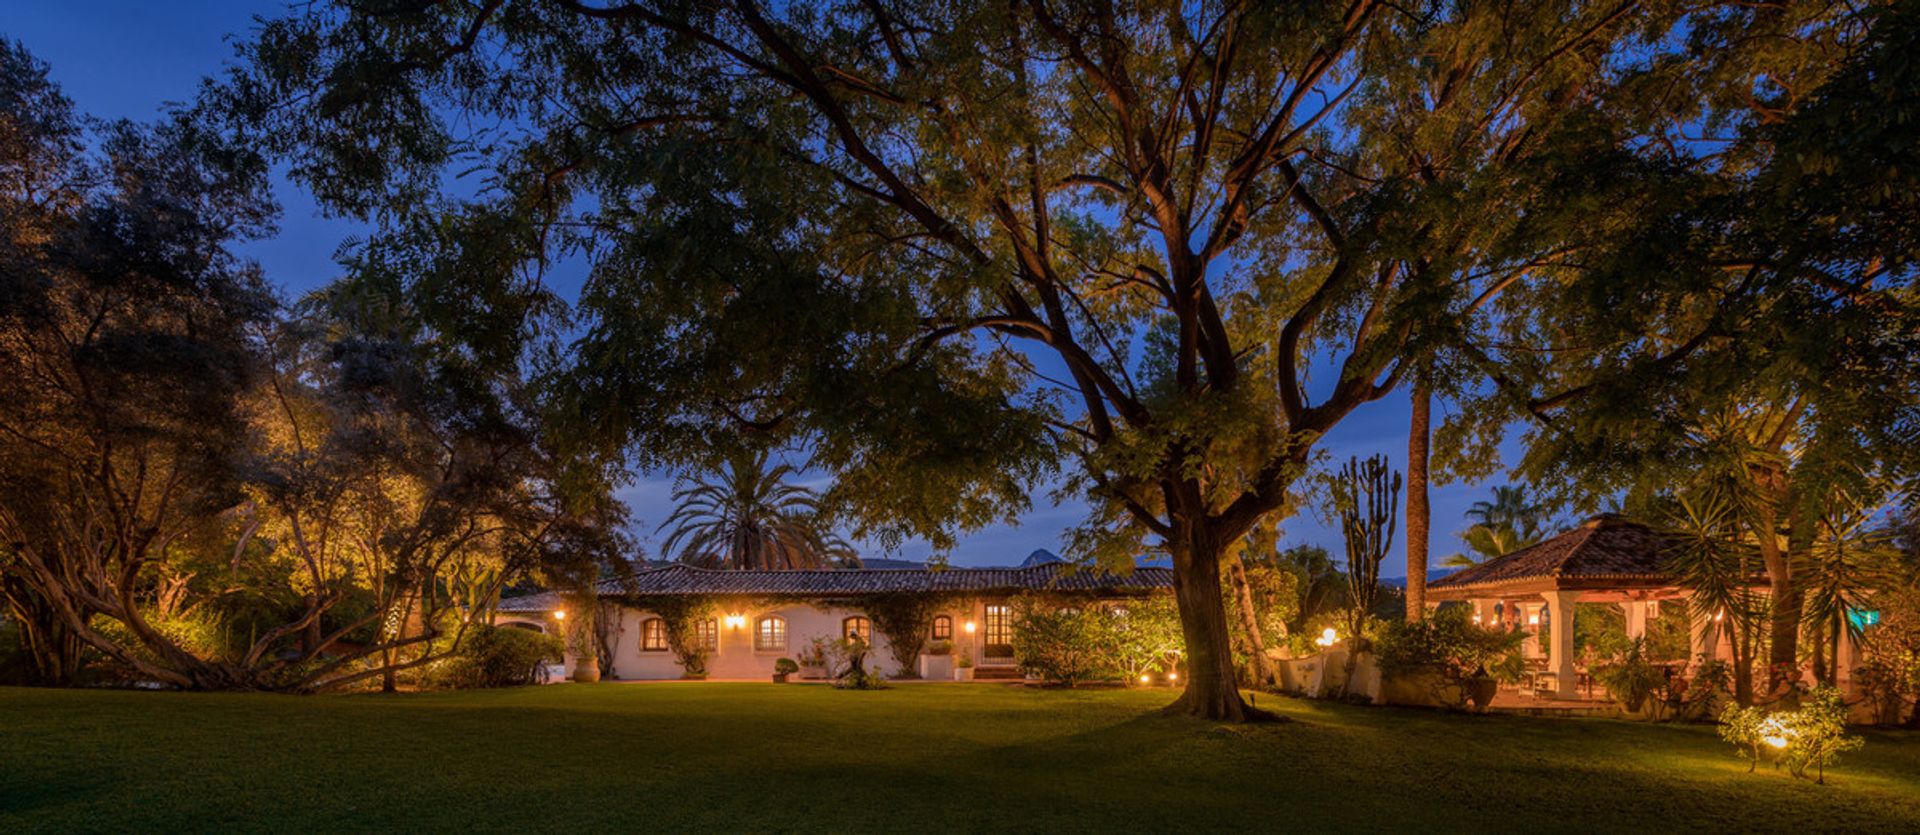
x: 1146, y: 679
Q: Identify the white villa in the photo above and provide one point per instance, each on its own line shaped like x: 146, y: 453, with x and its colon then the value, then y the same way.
x: 759, y: 617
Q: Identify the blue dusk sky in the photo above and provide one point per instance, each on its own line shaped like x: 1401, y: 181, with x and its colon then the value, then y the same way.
x: 126, y: 59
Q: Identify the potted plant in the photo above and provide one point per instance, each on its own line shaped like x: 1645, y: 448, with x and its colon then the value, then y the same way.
x: 963, y: 666
x: 783, y: 668
x: 1631, y: 678
x: 1481, y: 688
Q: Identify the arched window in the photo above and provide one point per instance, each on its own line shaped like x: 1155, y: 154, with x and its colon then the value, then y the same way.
x: 707, y: 633
x: 770, y: 634
x: 653, y: 635
x: 942, y: 628
x: 857, y: 627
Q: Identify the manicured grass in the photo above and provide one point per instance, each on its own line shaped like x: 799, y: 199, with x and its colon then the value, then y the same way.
x: 731, y: 757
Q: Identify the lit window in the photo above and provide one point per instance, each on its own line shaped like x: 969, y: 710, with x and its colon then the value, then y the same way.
x: 707, y: 634
x: 653, y: 635
x: 999, y: 628
x: 770, y: 634
x: 857, y: 627
x: 942, y: 627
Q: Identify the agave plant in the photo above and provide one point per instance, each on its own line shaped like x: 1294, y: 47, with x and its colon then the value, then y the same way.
x: 749, y: 516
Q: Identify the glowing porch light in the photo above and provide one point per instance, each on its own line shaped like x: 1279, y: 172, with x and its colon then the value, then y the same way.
x: 559, y: 614
x: 736, y: 621
x: 970, y: 627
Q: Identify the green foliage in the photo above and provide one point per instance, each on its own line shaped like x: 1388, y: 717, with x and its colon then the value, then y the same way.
x: 906, y: 620
x: 1811, y: 737
x: 1450, y: 644
x: 747, y: 515
x: 1064, y: 644
x: 785, y: 667
x: 850, y: 226
x: 683, y: 614
x: 1070, y: 641
x: 1630, y: 676
x: 498, y: 656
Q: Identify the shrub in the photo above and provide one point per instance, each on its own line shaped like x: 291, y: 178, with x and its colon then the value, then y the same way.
x: 785, y: 667
x: 1448, y: 643
x: 1809, y: 738
x: 1630, y: 678
x: 498, y: 656
x: 1063, y: 644
x: 940, y: 648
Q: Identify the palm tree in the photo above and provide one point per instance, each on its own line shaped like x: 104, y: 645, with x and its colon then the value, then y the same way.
x: 1484, y: 542
x: 1508, y: 523
x: 749, y: 517
x: 1511, y: 509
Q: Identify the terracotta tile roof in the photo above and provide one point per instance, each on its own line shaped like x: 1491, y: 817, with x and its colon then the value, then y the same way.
x: 854, y: 582
x: 1605, y: 547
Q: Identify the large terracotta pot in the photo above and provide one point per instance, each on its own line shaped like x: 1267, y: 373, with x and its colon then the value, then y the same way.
x: 1481, y: 690
x: 586, y: 670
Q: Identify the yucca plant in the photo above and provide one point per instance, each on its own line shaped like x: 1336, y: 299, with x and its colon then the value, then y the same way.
x: 747, y: 515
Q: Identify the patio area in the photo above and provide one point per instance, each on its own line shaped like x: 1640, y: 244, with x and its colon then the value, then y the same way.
x: 1606, y: 560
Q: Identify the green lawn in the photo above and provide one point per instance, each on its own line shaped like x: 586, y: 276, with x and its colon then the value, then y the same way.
x: 728, y: 757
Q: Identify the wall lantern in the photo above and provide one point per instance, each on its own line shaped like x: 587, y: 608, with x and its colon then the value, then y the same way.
x: 736, y: 621
x: 1533, y: 619
x: 559, y: 614
x: 970, y: 627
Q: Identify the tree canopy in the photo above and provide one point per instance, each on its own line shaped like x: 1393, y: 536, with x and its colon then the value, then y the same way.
x: 1161, y: 249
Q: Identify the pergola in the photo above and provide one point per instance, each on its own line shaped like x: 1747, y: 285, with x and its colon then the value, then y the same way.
x: 1607, y: 559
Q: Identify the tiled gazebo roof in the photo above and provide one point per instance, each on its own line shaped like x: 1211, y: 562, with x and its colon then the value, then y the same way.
x: 1604, y: 552
x: 855, y: 582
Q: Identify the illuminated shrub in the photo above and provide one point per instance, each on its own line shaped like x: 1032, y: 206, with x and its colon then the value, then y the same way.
x: 1810, y: 738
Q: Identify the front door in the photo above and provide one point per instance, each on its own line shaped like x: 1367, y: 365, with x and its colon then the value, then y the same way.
x: 999, y: 635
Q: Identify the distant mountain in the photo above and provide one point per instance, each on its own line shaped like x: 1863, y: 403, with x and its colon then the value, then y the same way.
x: 1040, y: 556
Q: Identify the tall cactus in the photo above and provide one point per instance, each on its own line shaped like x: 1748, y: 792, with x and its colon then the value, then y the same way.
x: 1366, y: 494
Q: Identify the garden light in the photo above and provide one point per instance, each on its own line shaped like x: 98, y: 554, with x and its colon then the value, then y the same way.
x: 1173, y: 676
x: 1146, y: 679
x: 1328, y: 637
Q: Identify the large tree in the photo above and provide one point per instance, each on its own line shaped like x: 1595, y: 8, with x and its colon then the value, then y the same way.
x: 952, y: 246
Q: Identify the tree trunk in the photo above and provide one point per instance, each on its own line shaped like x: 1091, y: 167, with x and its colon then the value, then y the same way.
x: 1211, y: 691
x: 1250, y: 622
x: 1784, y: 593
x: 1419, y: 513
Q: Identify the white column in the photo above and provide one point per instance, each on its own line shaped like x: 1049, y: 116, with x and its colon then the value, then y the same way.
x: 1701, y: 633
x: 1560, y: 653
x: 1636, y: 618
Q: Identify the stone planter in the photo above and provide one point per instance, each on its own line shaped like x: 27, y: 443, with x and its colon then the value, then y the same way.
x: 812, y: 671
x: 1481, y: 690
x: 936, y: 667
x: 963, y: 674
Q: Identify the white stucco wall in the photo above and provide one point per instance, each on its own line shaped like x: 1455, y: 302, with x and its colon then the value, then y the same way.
x: 737, y: 658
